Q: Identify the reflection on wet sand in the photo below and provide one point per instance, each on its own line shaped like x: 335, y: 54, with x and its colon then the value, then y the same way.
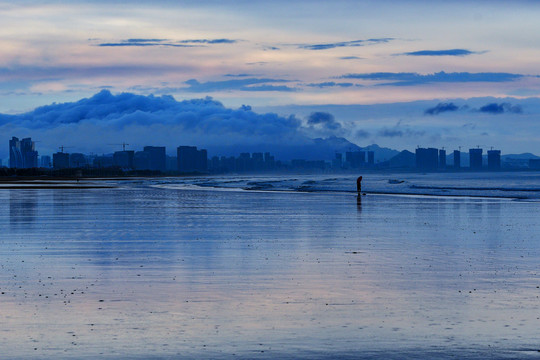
x: 23, y: 206
x: 139, y: 272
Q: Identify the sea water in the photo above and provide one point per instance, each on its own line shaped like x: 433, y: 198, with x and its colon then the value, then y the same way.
x: 273, y: 267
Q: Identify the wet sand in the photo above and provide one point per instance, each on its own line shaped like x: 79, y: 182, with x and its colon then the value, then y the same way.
x: 142, y: 272
x: 13, y: 184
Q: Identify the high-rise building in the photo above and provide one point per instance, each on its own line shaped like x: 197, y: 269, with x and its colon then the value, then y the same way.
x: 45, y: 161
x: 338, y: 161
x: 457, y: 159
x: 475, y: 159
x: 15, y: 157
x: 427, y: 158
x: 371, y: 158
x: 124, y: 159
x: 60, y: 160
x: 141, y: 160
x: 77, y: 160
x: 156, y: 157
x: 29, y: 153
x: 258, y: 161
x: 355, y: 159
x: 269, y: 161
x: 191, y: 160
x: 103, y: 161
x: 442, y: 159
x: 22, y: 154
x: 494, y: 159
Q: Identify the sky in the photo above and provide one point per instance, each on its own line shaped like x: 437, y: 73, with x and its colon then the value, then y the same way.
x: 398, y: 73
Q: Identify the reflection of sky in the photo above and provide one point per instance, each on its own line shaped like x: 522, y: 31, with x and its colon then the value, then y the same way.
x: 203, y: 272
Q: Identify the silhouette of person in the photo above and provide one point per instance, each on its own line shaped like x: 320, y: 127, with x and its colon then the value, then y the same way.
x: 359, y: 185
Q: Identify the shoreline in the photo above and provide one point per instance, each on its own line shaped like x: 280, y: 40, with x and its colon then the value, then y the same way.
x: 192, y: 187
x: 28, y: 183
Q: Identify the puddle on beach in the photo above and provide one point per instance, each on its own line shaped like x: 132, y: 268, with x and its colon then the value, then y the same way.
x: 139, y: 272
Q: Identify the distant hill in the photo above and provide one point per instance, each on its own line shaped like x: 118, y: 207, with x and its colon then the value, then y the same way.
x: 464, y: 159
x: 404, y: 159
x: 524, y: 156
x: 381, y: 153
x: 310, y: 149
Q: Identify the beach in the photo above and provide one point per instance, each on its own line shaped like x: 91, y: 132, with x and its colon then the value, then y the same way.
x: 203, y: 268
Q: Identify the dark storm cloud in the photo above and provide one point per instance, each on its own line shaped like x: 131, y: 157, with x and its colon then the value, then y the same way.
x: 390, y: 133
x: 450, y: 52
x: 104, y: 118
x: 408, y: 79
x: 323, y: 120
x: 127, y: 110
x: 362, y: 134
x: 248, y: 84
x: 495, y: 108
x: 400, y: 130
x: 354, y: 43
x: 441, y: 108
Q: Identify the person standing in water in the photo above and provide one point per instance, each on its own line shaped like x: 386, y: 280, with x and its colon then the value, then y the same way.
x: 359, y: 185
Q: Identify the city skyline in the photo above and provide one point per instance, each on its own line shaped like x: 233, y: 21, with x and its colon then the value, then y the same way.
x: 190, y: 159
x: 392, y: 73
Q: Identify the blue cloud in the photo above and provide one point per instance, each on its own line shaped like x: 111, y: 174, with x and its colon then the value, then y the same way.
x: 248, y: 84
x: 390, y: 133
x: 501, y: 108
x: 400, y: 130
x: 91, y: 123
x: 239, y: 75
x: 362, y: 134
x: 268, y: 88
x: 441, y: 108
x: 330, y: 84
x: 451, y: 52
x: 350, y: 58
x: 127, y: 109
x: 166, y: 42
x: 408, y: 79
x: 323, y: 120
x: 353, y: 43
x: 143, y: 43
x: 208, y: 41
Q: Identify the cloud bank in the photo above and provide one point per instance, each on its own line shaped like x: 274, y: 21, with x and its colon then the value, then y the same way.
x: 450, y: 52
x: 408, y: 79
x: 441, y: 108
x: 242, y: 84
x: 323, y: 120
x: 88, y: 125
x: 501, y: 108
x: 330, y: 84
x: 166, y: 42
x: 491, y: 108
x: 354, y: 43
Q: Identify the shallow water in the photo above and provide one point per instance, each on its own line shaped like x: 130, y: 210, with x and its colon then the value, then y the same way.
x: 522, y: 185
x: 149, y: 270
